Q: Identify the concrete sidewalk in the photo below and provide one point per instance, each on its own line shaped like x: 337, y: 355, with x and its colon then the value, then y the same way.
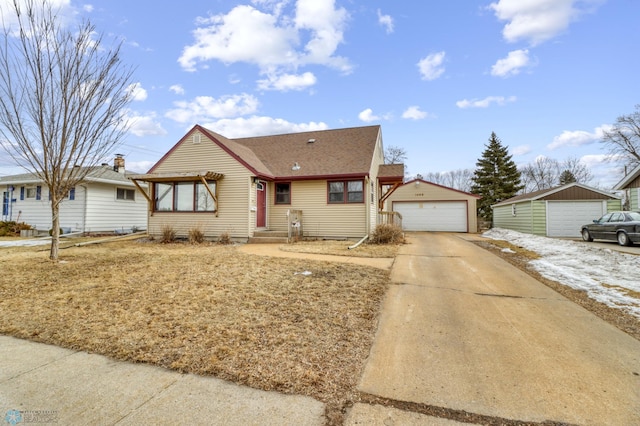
x: 55, y: 385
x: 463, y: 330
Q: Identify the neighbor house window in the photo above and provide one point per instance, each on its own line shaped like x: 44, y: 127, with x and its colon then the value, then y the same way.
x: 513, y: 209
x: 351, y: 191
x: 184, y: 197
x: 31, y: 192
x: 125, y: 194
x: 283, y: 193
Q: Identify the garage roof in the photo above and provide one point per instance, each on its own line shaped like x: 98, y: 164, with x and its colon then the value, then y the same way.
x: 570, y: 191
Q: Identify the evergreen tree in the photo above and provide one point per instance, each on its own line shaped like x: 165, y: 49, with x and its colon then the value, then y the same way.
x: 496, y: 177
x: 567, y: 177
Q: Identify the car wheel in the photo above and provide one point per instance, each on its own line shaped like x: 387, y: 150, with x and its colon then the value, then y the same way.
x: 623, y: 239
x: 586, y: 235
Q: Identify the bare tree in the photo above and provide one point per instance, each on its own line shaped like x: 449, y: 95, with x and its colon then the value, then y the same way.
x: 62, y: 98
x: 623, y: 139
x: 577, y: 169
x: 395, y: 155
x: 541, y: 174
x: 456, y: 179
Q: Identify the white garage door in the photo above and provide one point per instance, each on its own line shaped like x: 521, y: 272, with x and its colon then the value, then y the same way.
x: 449, y: 216
x: 564, y: 218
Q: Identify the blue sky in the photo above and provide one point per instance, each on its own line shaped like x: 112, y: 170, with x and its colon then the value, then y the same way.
x: 439, y: 76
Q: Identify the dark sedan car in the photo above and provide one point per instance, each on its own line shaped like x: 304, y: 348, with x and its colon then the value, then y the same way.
x: 623, y: 227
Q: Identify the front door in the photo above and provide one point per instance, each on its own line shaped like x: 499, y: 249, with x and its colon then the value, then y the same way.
x: 261, y: 204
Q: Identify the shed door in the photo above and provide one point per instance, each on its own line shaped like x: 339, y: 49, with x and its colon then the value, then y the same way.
x: 447, y: 216
x: 565, y: 218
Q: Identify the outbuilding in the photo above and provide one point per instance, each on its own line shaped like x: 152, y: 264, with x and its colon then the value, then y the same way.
x: 426, y: 206
x: 554, y: 212
x: 630, y: 184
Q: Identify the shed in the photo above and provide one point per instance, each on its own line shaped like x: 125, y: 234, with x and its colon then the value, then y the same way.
x: 426, y: 206
x: 554, y: 212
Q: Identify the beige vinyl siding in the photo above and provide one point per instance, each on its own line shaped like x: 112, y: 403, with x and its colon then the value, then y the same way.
x: 319, y: 219
x: 234, y: 209
x: 371, y: 185
x: 425, y: 191
x: 103, y: 212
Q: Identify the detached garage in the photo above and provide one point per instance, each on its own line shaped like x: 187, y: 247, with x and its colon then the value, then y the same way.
x: 426, y: 206
x: 554, y: 212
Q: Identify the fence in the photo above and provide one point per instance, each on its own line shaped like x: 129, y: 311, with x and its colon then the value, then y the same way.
x: 390, y: 218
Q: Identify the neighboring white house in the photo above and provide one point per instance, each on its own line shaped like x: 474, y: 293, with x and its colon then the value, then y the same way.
x: 105, y: 201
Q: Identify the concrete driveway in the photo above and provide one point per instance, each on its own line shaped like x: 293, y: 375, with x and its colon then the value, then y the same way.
x: 461, y: 329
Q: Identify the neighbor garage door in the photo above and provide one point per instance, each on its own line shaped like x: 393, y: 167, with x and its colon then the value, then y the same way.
x: 564, y: 218
x: 450, y: 216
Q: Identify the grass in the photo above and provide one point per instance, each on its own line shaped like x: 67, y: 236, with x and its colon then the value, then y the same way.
x: 341, y: 248
x: 205, y: 309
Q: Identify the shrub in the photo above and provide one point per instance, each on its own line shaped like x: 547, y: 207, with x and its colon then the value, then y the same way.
x: 168, y: 234
x: 12, y: 229
x: 196, y: 235
x: 387, y: 234
x: 225, y: 238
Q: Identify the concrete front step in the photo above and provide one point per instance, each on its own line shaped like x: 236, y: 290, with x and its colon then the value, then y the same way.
x: 281, y: 234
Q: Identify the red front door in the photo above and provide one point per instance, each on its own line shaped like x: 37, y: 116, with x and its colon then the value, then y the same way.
x: 261, y: 204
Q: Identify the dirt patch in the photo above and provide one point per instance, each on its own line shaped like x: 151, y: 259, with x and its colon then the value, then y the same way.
x: 205, y: 309
x: 341, y: 248
x: 520, y: 258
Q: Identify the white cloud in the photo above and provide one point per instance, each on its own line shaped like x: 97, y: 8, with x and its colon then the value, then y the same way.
x: 578, y: 137
x: 204, y: 108
x: 65, y: 13
x: 511, y: 65
x: 414, y: 113
x: 484, y: 103
x: 286, y: 82
x: 537, y: 21
x: 144, y: 125
x: 386, y: 21
x: 431, y: 67
x: 139, y: 166
x: 137, y: 92
x: 271, y: 40
x: 177, y: 89
x: 259, y: 126
x: 521, y: 150
x: 88, y: 8
x: 367, y: 115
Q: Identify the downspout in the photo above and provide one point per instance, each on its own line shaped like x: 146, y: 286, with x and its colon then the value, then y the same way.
x: 359, y: 242
x: 84, y: 214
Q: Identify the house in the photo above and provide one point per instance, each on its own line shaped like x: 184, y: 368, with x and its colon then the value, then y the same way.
x: 427, y: 206
x: 325, y: 184
x: 105, y: 201
x: 630, y: 184
x: 554, y: 212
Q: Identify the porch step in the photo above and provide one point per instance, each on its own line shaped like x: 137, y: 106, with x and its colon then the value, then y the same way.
x: 269, y: 237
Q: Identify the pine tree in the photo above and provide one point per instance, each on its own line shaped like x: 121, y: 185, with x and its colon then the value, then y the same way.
x: 496, y: 177
x: 567, y: 177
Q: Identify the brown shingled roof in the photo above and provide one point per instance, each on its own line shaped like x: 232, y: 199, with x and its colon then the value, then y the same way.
x: 391, y: 173
x: 339, y: 152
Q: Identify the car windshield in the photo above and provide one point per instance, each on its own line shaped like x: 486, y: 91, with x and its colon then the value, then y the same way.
x: 634, y: 216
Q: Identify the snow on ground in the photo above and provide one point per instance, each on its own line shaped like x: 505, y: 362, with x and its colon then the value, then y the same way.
x: 26, y: 243
x: 607, y: 276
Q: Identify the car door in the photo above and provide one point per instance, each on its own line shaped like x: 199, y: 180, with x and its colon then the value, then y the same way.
x: 597, y: 229
x: 609, y: 228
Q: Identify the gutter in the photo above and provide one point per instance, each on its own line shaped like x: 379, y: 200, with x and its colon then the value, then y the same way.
x: 359, y: 242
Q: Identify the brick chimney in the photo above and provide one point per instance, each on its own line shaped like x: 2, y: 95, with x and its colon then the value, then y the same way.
x: 118, y: 163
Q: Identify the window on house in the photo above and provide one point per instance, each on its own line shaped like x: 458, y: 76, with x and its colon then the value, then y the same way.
x: 184, y: 197
x: 31, y: 192
x: 513, y: 209
x: 283, y: 193
x: 125, y: 194
x: 346, y: 192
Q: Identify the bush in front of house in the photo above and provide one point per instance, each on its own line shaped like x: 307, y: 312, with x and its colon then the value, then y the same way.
x: 387, y: 234
x: 12, y: 228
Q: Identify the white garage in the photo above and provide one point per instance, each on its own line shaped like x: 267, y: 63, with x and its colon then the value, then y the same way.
x: 448, y: 216
x: 426, y: 206
x: 564, y: 218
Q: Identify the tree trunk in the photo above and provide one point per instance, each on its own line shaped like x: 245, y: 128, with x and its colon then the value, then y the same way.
x: 55, y: 230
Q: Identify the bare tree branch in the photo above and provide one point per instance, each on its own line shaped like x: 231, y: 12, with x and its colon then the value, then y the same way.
x: 623, y: 139
x: 62, y: 97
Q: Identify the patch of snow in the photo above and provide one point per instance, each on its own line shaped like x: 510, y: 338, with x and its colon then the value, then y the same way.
x: 25, y: 243
x: 507, y: 250
x: 607, y: 276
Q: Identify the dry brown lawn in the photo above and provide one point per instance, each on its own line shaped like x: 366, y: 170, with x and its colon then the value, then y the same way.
x: 341, y: 248
x: 204, y: 309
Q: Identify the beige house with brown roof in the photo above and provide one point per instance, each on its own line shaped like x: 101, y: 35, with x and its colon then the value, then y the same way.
x: 323, y: 184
